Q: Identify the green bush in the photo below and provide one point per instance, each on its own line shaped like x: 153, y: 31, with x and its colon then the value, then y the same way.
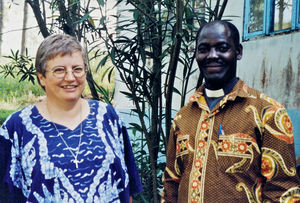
x: 3, y: 115
x: 12, y: 88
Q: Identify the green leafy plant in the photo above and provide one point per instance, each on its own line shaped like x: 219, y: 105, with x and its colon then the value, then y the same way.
x: 153, y: 48
x: 150, y: 49
x: 3, y: 115
x: 19, y: 65
x: 73, y: 18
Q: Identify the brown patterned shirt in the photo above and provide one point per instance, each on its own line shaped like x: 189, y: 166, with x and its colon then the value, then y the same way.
x: 241, y: 151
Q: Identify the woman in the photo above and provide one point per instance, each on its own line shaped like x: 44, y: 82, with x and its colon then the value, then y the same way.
x: 66, y: 148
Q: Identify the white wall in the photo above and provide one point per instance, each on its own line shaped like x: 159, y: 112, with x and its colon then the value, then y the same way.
x: 270, y: 64
x: 120, y: 100
x: 12, y: 29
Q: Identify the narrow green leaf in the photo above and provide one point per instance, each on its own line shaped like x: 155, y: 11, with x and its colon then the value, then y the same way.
x: 113, y: 54
x: 136, y: 126
x: 104, y: 74
x: 135, y: 14
x: 102, y: 62
x: 90, y: 19
x: 110, y: 74
x: 101, y: 2
x: 129, y: 95
x: 176, y: 91
x: 102, y: 20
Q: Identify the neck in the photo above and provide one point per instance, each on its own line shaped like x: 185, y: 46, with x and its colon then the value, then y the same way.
x: 69, y: 116
x: 64, y: 110
x: 67, y: 106
x: 217, y: 86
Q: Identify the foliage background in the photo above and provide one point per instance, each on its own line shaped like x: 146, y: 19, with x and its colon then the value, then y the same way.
x: 150, y: 49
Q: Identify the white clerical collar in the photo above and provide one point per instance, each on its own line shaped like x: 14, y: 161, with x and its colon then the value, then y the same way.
x: 214, y: 93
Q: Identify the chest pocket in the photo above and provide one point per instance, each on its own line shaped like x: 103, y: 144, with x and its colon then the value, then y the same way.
x: 236, y: 152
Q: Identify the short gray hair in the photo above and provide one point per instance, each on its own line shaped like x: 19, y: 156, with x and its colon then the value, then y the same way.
x: 54, y: 45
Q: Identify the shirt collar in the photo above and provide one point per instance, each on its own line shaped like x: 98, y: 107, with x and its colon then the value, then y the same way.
x: 221, y: 92
x: 214, y: 93
x: 240, y: 89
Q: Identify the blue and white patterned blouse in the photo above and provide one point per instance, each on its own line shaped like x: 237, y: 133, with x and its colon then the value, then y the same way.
x: 36, y: 165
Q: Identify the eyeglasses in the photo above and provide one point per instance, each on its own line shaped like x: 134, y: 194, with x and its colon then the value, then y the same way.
x: 60, y: 72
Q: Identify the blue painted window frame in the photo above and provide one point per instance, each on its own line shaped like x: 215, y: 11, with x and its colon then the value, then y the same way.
x: 268, y: 19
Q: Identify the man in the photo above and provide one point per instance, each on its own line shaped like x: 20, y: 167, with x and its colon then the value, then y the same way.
x: 230, y: 143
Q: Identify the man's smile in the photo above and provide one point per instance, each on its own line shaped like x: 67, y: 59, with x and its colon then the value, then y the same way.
x: 213, y: 67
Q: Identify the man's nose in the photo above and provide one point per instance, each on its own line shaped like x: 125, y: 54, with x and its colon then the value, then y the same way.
x: 212, y: 53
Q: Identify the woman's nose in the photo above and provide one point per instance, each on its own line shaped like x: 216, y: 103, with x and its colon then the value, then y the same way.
x: 69, y: 75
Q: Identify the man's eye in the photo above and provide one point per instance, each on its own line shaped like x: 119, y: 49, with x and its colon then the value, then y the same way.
x: 202, y: 49
x: 223, y: 48
x: 78, y: 69
x: 59, y: 70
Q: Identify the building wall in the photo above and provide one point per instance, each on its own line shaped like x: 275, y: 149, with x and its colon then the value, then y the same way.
x: 12, y: 29
x: 271, y: 64
x: 120, y: 100
x: 13, y: 23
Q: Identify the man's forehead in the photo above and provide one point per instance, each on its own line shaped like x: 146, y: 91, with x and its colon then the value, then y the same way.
x: 216, y: 26
x: 215, y: 32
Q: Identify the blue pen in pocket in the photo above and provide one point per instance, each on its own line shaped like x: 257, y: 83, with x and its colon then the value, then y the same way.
x: 221, y: 131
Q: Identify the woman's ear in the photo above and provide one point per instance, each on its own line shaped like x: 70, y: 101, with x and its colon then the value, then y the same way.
x: 41, y: 79
x: 239, y: 51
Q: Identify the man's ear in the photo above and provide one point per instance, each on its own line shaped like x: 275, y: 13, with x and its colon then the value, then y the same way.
x: 239, y: 52
x: 41, y: 79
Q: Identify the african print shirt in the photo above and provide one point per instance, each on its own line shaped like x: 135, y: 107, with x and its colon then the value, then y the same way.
x: 241, y: 151
x: 36, y: 165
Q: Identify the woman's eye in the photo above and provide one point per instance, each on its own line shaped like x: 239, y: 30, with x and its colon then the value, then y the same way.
x: 78, y: 69
x: 59, y: 70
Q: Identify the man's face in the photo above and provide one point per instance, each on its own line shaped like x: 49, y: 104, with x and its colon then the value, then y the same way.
x: 216, y: 55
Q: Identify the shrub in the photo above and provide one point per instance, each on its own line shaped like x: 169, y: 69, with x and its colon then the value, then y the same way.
x: 4, y: 114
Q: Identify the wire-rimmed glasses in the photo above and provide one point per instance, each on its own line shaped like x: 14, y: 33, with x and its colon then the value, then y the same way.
x: 60, y: 72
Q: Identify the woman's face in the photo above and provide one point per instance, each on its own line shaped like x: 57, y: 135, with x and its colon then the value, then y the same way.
x: 62, y: 87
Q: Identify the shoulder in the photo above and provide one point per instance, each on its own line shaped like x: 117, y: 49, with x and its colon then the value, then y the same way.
x: 259, y: 98
x: 270, y: 110
x: 192, y: 108
x: 270, y: 101
x: 99, y: 104
x: 265, y: 100
x: 14, y: 117
x: 104, y: 108
x: 14, y: 121
x: 186, y: 116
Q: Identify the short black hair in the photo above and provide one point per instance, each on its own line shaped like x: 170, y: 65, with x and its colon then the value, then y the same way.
x: 235, y: 35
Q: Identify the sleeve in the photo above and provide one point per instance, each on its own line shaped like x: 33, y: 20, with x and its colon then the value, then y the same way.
x: 134, y: 177
x: 135, y: 185
x: 171, y: 178
x: 278, y: 164
x: 5, y: 146
x: 8, y: 190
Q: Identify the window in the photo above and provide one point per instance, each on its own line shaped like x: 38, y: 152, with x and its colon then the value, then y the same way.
x: 264, y: 17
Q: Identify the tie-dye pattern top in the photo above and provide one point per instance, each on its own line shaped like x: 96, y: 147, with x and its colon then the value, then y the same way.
x: 36, y: 166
